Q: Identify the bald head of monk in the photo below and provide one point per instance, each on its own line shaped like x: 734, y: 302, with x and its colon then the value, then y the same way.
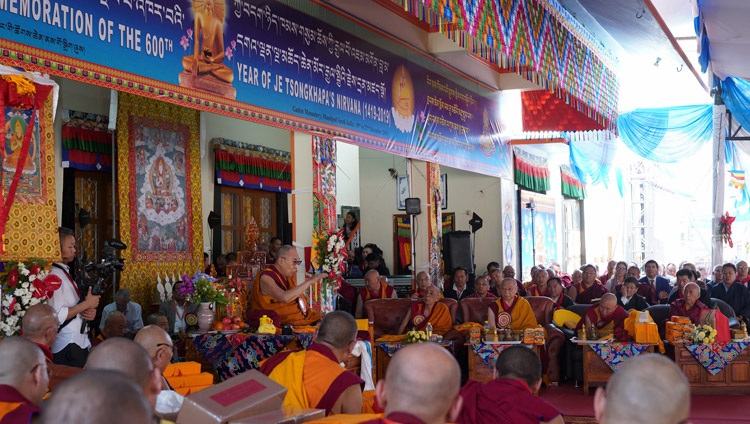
x: 646, y: 389
x: 423, y: 379
x: 97, y: 397
x: 126, y: 356
x: 23, y: 366
x: 520, y: 363
x: 338, y: 331
x: 158, y: 344
x: 607, y: 304
x: 40, y: 324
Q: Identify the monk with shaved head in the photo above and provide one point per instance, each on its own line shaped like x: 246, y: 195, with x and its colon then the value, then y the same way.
x: 375, y: 287
x: 275, y: 289
x: 98, y: 397
x: 314, y: 377
x: 428, y: 311
x: 23, y: 380
x: 40, y: 326
x: 689, y: 305
x: 511, y: 396
x: 646, y: 389
x: 126, y: 356
x: 420, y: 386
x: 511, y: 310
x: 159, y: 347
x: 605, y: 317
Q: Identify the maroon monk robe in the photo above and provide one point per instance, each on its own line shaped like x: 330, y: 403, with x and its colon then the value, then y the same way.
x: 396, y: 418
x: 505, y: 400
x: 586, y: 295
x: 617, y: 316
x: 677, y: 308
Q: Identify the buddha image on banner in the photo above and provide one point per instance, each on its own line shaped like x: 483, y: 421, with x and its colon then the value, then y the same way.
x: 160, y: 185
x: 16, y: 123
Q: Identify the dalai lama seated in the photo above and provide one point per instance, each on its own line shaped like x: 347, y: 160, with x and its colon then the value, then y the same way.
x: 605, y: 317
x: 510, y: 311
x: 428, y: 311
x: 275, y: 290
x: 689, y: 305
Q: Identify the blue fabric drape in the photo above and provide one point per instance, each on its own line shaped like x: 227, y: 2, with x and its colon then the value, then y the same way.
x: 736, y: 95
x: 591, y: 155
x: 666, y: 135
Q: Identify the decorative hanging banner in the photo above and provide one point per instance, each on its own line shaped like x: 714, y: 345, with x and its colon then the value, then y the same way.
x: 262, y: 61
x: 531, y: 171
x: 572, y: 187
x: 86, y: 143
x: 256, y: 167
x: 28, y: 211
x: 158, y: 159
x: 435, y: 197
x: 324, y: 192
x: 541, y: 110
x: 538, y: 39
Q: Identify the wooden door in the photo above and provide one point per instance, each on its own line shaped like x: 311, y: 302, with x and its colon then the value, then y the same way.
x: 93, y: 192
x: 237, y: 206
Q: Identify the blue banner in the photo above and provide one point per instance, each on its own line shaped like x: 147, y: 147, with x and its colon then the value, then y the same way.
x: 268, y: 55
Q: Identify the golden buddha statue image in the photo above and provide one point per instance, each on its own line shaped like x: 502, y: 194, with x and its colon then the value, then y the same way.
x: 402, y: 98
x: 205, y: 69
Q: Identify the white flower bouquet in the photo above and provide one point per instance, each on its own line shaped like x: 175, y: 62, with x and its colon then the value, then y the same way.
x: 331, y: 259
x: 24, y: 284
x: 415, y: 336
x: 703, y: 334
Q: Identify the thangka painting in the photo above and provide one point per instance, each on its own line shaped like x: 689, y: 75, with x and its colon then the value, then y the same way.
x: 28, y: 215
x: 435, y: 220
x: 541, y: 237
x: 159, y: 187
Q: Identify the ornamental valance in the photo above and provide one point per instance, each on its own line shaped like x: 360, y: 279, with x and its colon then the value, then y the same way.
x: 531, y: 171
x: 572, y: 187
x: 86, y: 144
x: 251, y: 166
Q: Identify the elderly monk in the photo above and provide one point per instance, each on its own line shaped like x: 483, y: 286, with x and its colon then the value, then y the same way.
x: 114, y: 326
x: 606, y: 316
x: 314, y: 377
x: 510, y: 311
x: 689, y: 305
x: 420, y: 387
x: 589, y: 288
x: 128, y: 357
x: 428, y: 311
x: 159, y: 347
x: 423, y: 281
x: 98, y: 397
x: 481, y: 289
x: 555, y: 289
x: 511, y: 397
x: 275, y: 289
x: 23, y: 380
x: 683, y: 277
x: 40, y: 326
x: 375, y: 288
x: 646, y: 389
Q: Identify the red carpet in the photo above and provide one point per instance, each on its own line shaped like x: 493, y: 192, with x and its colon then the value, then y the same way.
x: 703, y: 409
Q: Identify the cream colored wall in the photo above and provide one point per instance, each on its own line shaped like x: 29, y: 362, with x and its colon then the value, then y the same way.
x: 301, y: 205
x: 347, y: 175
x: 469, y: 192
x: 237, y: 130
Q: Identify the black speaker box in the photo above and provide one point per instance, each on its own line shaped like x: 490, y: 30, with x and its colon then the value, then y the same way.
x: 457, y: 251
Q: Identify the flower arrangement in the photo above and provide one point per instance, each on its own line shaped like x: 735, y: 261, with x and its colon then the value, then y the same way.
x: 203, y: 288
x: 415, y: 336
x: 331, y: 259
x: 725, y: 228
x: 24, y: 284
x: 622, y: 335
x: 703, y: 334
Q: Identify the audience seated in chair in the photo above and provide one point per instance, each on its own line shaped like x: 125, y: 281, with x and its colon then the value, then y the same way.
x: 159, y: 347
x: 114, y: 326
x: 23, y: 380
x: 459, y: 287
x: 628, y: 297
x: 510, y: 310
x: 176, y: 309
x: 428, y: 311
x: 158, y: 319
x: 689, y: 305
x: 481, y: 289
x: 605, y: 316
x: 131, y: 310
x: 557, y: 293
x: 375, y: 288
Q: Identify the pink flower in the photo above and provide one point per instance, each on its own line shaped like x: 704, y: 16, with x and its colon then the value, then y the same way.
x: 233, y: 44
x: 184, y: 42
x: 190, y: 33
x: 228, y: 53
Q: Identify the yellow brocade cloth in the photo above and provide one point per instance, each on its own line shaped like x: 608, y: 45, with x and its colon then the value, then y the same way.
x: 631, y: 322
x: 347, y: 418
x: 392, y: 338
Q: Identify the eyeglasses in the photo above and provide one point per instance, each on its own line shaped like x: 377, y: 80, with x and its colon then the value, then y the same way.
x: 621, y: 268
x: 294, y: 261
x: 171, y: 346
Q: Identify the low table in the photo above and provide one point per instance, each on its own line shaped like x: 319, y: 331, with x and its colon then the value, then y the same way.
x: 734, y: 379
x: 479, y: 369
x: 596, y: 372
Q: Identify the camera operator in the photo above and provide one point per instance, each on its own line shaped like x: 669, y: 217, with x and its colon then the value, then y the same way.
x: 71, y: 347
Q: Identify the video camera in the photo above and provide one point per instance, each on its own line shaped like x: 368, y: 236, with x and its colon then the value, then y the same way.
x: 102, y: 271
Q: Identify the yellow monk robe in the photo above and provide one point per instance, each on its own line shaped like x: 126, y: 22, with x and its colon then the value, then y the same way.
x: 440, y: 318
x: 516, y: 316
x: 290, y: 312
x: 313, y: 377
x: 14, y: 407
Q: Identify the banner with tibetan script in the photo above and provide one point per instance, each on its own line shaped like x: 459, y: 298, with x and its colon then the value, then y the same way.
x: 261, y: 61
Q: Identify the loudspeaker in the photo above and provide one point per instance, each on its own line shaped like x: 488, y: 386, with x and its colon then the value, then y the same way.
x: 457, y: 251
x: 413, y: 207
x: 214, y: 220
